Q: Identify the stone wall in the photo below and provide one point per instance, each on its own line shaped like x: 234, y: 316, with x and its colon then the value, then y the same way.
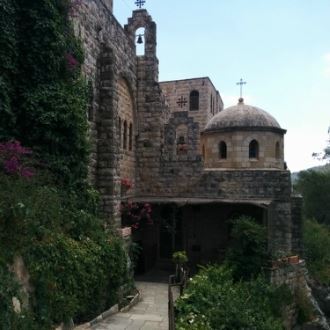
x: 177, y: 96
x: 238, y: 149
x: 126, y: 132
x: 297, y: 226
x: 109, y: 57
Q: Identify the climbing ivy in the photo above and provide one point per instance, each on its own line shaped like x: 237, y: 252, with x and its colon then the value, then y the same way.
x: 8, y: 66
x: 42, y: 94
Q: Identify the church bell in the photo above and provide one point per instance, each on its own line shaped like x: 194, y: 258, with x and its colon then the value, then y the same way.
x: 140, y: 40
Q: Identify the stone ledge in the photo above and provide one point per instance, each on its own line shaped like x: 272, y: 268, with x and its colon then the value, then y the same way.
x: 111, y: 311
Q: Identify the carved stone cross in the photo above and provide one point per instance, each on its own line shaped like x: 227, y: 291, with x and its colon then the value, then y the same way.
x: 182, y: 102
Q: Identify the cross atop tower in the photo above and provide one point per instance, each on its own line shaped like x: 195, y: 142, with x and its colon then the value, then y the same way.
x: 140, y: 3
x: 241, y: 83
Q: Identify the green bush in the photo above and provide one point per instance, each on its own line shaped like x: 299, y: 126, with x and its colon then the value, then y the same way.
x: 247, y: 252
x: 317, y: 250
x: 76, y: 266
x: 78, y: 279
x: 41, y: 85
x: 315, y: 188
x: 214, y: 301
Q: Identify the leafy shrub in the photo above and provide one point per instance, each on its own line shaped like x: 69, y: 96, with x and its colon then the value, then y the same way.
x: 317, y: 250
x: 315, y: 188
x: 75, y: 265
x: 76, y: 279
x: 41, y: 85
x: 213, y: 300
x: 247, y: 253
x: 305, y: 309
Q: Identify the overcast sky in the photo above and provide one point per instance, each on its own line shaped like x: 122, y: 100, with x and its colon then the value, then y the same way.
x: 280, y: 47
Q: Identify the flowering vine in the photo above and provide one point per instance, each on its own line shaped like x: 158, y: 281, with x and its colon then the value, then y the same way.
x: 136, y: 215
x: 126, y: 183
x: 14, y: 159
x: 71, y: 62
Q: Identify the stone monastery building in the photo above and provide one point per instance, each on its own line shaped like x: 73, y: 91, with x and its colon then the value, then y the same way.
x: 196, y: 163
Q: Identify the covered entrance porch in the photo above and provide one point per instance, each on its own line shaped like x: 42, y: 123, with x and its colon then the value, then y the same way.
x: 201, y: 227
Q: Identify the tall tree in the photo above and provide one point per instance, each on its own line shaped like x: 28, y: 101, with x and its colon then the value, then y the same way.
x: 315, y: 188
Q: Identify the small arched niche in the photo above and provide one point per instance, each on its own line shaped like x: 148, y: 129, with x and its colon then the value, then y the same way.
x: 181, y: 134
x: 254, y: 149
x: 140, y: 41
x: 222, y: 150
x: 277, y: 150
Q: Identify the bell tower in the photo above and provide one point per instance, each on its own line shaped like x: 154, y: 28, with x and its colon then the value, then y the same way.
x: 141, y: 29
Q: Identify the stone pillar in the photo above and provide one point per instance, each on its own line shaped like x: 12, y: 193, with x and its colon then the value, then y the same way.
x: 279, y: 228
x: 297, y: 234
x: 108, y: 182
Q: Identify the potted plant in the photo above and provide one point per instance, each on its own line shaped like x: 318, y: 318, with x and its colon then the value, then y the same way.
x: 180, y: 259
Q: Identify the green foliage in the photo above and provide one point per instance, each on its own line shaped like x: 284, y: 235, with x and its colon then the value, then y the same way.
x: 315, y: 188
x: 180, y: 257
x: 9, y: 288
x: 213, y: 300
x: 305, y: 309
x: 317, y: 250
x: 77, y: 279
x: 76, y: 266
x: 247, y: 253
x: 8, y: 66
x: 41, y: 85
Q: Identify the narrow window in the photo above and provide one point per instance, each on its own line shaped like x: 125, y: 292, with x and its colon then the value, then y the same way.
x: 181, y: 140
x: 277, y: 150
x: 212, y: 104
x: 130, y: 142
x: 119, y: 130
x: 194, y: 101
x: 203, y: 152
x: 125, y: 135
x: 254, y: 149
x: 222, y: 150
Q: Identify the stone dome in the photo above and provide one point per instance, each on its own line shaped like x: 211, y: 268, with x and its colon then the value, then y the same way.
x: 243, y: 117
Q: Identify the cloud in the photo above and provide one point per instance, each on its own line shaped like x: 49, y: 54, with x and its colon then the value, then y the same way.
x: 326, y: 58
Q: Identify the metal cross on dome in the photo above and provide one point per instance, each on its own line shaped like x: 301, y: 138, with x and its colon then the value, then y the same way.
x: 241, y: 83
x: 140, y: 3
x: 182, y: 101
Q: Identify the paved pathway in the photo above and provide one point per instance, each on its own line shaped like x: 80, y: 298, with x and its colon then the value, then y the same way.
x: 149, y: 314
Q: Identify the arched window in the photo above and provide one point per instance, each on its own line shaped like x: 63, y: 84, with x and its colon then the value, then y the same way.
x: 194, y: 101
x: 181, y: 140
x: 222, y: 150
x: 125, y: 135
x: 212, y: 104
x: 130, y: 141
x: 140, y: 41
x: 277, y: 150
x: 254, y: 149
x: 119, y: 130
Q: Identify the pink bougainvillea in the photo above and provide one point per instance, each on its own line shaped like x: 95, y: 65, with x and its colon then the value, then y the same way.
x: 71, y: 61
x: 14, y: 159
x: 136, y: 215
x: 126, y: 183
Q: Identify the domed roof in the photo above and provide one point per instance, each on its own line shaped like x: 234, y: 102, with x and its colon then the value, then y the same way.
x: 243, y: 117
